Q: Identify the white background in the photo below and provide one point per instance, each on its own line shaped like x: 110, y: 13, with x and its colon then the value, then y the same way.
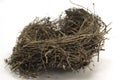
x: 15, y: 14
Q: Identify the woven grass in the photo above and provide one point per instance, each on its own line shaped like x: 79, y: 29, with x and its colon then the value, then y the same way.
x: 68, y: 43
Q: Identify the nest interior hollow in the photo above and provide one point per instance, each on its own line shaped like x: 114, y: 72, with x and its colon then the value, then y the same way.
x: 67, y: 43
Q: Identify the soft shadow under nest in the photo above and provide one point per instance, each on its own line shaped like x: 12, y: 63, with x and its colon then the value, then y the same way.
x: 67, y: 43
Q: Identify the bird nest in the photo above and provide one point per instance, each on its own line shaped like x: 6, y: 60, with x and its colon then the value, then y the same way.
x: 68, y: 43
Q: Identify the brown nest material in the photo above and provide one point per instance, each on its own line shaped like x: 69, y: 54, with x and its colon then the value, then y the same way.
x: 68, y: 43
